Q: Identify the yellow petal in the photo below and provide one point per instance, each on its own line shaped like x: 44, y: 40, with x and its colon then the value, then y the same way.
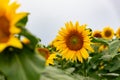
x: 3, y: 46
x: 14, y: 6
x: 12, y: 10
x: 87, y: 46
x: 14, y: 30
x: 79, y: 56
x: 74, y: 57
x: 71, y: 55
x: 4, y: 2
x: 50, y: 59
x: 84, y: 53
x: 18, y: 17
x: 15, y: 42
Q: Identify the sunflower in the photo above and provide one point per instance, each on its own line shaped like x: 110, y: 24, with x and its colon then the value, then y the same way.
x: 118, y: 33
x: 97, y: 34
x: 8, y: 20
x: 102, y: 48
x: 44, y: 52
x: 73, y: 41
x: 50, y: 60
x: 107, y: 33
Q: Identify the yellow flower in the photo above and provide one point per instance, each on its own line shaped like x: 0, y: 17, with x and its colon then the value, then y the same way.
x: 118, y: 33
x: 8, y: 20
x: 50, y: 59
x: 44, y: 52
x: 101, y: 66
x: 107, y: 33
x: 72, y: 42
x: 97, y: 34
x: 102, y: 48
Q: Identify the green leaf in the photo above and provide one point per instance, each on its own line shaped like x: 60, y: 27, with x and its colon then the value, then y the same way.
x: 106, y: 57
x: 22, y: 64
x: 2, y: 77
x: 24, y: 32
x: 99, y: 40
x: 22, y: 22
x: 114, y: 64
x: 31, y: 37
x: 118, y: 78
x: 53, y: 73
x: 94, y: 61
x: 109, y: 76
x: 113, y: 47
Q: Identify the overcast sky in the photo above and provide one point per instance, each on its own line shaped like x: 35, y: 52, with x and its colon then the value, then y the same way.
x: 48, y: 16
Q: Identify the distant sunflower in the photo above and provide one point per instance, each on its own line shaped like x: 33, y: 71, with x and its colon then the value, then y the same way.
x: 118, y: 33
x: 102, y: 48
x: 50, y: 60
x: 8, y: 20
x: 97, y: 34
x: 107, y: 33
x: 72, y: 42
x: 44, y: 52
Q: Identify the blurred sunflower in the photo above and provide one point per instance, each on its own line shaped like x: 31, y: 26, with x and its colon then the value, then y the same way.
x: 118, y: 33
x: 72, y: 42
x: 8, y: 20
x: 47, y: 55
x: 44, y: 52
x: 97, y: 34
x: 102, y: 48
x: 50, y: 60
x: 107, y: 33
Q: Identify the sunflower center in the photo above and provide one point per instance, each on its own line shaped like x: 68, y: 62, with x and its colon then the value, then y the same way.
x: 97, y: 35
x: 4, y: 29
x: 74, y: 41
x: 108, y: 33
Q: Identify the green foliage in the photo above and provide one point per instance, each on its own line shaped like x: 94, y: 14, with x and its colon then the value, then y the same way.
x: 113, y: 47
x: 26, y: 64
x: 99, y: 40
x: 101, y: 65
x: 22, y: 64
x: 52, y: 73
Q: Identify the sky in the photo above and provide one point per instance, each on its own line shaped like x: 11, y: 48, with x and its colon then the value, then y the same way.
x: 48, y: 16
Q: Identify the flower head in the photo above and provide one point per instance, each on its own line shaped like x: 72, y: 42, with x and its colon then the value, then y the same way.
x: 97, y: 34
x: 118, y: 33
x: 8, y: 20
x: 73, y: 42
x: 44, y: 52
x: 102, y: 48
x: 107, y: 33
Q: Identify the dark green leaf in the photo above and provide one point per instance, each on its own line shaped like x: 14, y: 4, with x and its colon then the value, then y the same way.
x: 22, y: 22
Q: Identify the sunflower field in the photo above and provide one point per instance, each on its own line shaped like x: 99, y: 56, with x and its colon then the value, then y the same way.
x: 76, y: 53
